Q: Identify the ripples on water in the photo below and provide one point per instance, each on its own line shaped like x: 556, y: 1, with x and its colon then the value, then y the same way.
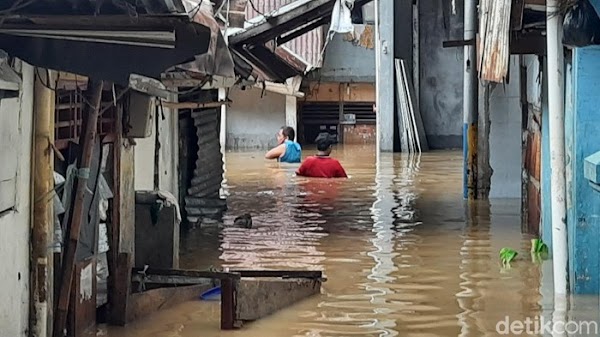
x: 402, y: 254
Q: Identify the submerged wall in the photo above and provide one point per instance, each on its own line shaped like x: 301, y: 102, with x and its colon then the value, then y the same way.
x: 441, y: 74
x: 505, y: 136
x: 252, y: 120
x: 15, y: 223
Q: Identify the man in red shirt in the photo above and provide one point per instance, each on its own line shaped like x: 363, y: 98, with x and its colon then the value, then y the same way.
x: 321, y: 165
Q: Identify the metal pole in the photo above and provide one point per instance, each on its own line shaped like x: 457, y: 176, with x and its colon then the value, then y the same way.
x: 470, y: 102
x: 556, y: 104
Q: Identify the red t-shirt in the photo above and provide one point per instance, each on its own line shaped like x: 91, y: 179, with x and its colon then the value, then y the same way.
x: 321, y: 167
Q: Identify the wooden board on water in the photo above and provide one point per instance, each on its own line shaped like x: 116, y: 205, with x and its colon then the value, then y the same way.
x: 258, y: 298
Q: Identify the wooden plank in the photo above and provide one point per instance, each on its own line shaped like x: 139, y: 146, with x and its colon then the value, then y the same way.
x: 416, y: 112
x: 83, y: 300
x: 329, y: 92
x: 495, y: 35
x: 279, y: 273
x: 258, y: 298
x: 143, y: 304
x: 163, y: 279
x: 121, y: 292
x: 78, y: 210
x: 405, y: 145
x: 191, y: 105
x: 457, y: 43
x: 229, y: 304
x: 189, y: 273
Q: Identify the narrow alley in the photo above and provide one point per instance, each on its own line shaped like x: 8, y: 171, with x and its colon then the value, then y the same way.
x: 402, y: 255
x: 301, y: 168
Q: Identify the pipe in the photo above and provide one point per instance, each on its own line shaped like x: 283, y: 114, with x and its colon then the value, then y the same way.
x: 470, y: 102
x: 377, y: 78
x: 43, y: 185
x: 556, y: 105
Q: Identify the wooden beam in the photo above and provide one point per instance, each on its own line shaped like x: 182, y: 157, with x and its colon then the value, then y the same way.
x: 165, y: 279
x: 280, y: 273
x: 77, y: 218
x: 191, y: 105
x: 458, y: 43
x: 188, y: 273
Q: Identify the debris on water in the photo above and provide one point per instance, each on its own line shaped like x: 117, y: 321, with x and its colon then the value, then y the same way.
x: 244, y: 221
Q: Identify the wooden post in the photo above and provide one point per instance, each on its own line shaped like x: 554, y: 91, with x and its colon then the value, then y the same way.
x: 484, y: 172
x: 43, y: 224
x: 88, y: 138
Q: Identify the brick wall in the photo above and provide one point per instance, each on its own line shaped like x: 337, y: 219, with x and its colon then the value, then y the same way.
x: 359, y: 134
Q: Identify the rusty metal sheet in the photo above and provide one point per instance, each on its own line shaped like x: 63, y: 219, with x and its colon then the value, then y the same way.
x: 494, y: 49
x: 307, y: 46
x: 62, y: 7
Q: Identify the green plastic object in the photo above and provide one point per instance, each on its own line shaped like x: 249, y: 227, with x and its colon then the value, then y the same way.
x: 507, y: 255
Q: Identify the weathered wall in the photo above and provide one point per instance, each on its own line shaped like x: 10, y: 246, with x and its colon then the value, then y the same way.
x: 168, y: 134
x: 346, y: 62
x: 441, y: 74
x: 583, y: 202
x: 505, y: 136
x: 15, y: 224
x: 360, y: 134
x: 252, y: 121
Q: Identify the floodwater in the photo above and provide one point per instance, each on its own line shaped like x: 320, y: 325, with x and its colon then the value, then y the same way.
x: 402, y: 252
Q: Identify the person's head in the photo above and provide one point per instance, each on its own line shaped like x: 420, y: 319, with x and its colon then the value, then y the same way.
x: 325, y: 142
x: 286, y: 133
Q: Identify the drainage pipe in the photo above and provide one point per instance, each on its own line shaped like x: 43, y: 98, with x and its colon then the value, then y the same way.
x: 470, y: 102
x: 556, y: 104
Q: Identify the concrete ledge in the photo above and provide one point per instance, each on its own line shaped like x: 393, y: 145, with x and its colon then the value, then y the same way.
x: 591, y: 168
x: 258, y: 298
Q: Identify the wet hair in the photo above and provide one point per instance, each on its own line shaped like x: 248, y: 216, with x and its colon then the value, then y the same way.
x: 324, y: 141
x: 288, y: 131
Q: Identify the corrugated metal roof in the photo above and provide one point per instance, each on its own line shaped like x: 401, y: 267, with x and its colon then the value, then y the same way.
x: 307, y: 46
x: 87, y: 7
x: 494, y: 41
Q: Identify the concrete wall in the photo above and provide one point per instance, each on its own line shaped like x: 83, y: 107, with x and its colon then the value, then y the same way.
x: 15, y: 225
x: 346, y: 62
x: 252, y: 121
x: 505, y: 136
x: 441, y: 74
x: 168, y: 134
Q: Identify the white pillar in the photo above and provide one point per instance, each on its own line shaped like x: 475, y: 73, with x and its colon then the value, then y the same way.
x: 223, y: 131
x: 556, y: 107
x: 291, y: 112
x: 384, y: 63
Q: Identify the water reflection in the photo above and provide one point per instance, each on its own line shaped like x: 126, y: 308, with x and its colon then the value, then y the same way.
x: 403, y: 254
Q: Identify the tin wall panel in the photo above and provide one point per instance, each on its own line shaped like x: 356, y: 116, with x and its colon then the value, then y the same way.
x: 307, y: 46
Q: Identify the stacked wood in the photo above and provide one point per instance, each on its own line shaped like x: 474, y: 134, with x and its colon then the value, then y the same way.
x: 412, y: 132
x: 203, y: 196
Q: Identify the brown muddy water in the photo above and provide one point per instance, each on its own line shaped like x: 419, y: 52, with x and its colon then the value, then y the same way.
x: 403, y: 254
